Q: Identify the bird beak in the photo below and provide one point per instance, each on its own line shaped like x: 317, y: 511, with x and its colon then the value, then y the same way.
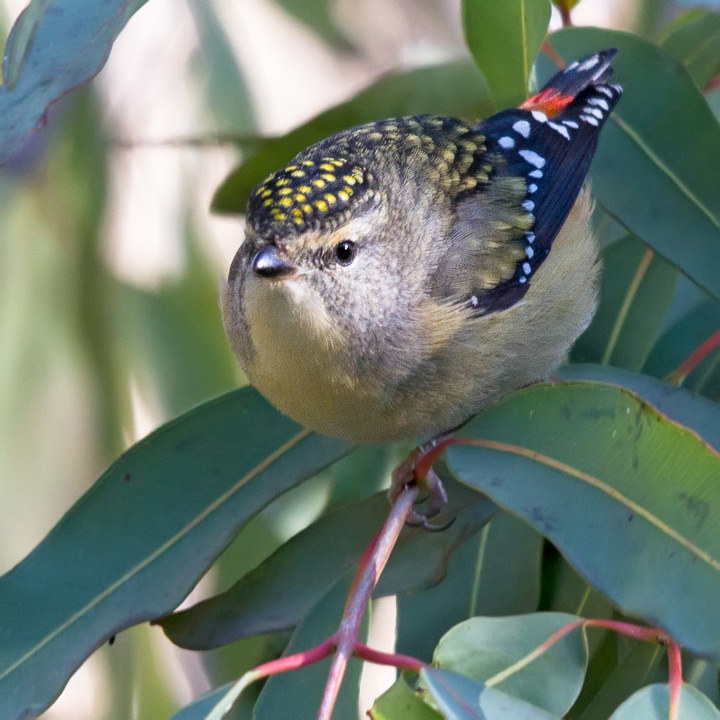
x: 267, y: 263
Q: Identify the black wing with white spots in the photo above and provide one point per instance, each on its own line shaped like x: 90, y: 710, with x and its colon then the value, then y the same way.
x: 549, y: 143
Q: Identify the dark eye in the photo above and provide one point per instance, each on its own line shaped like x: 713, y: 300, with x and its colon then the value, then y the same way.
x: 345, y: 252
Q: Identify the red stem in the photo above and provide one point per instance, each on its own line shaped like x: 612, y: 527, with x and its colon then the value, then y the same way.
x: 366, y: 578
x: 695, y: 358
x: 675, y: 678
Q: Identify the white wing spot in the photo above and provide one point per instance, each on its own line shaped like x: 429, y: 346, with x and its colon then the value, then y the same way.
x: 539, y: 116
x: 593, y: 111
x: 526, y: 268
x: 530, y: 237
x: 589, y: 119
x: 506, y: 142
x: 529, y: 252
x: 474, y: 301
x: 571, y: 124
x: 522, y: 127
x: 532, y: 188
x: 591, y: 62
x: 604, y: 90
x: 600, y: 102
x: 560, y: 129
x: 535, y: 174
x: 529, y: 205
x: 522, y: 279
x: 530, y: 156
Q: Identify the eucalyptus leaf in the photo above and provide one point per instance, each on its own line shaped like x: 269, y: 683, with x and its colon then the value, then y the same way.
x: 504, y: 38
x: 510, y: 654
x: 628, y: 496
x: 137, y: 542
x: 653, y: 703
x: 54, y: 46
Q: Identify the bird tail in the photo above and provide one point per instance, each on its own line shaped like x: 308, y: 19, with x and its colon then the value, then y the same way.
x: 589, y: 72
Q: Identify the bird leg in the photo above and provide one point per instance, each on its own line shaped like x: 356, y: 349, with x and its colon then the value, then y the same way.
x: 417, y: 469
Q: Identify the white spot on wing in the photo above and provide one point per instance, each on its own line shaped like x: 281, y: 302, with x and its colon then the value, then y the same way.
x: 506, y: 142
x: 529, y: 205
x: 530, y: 237
x: 522, y: 127
x: 532, y: 188
x: 600, y: 102
x: 526, y: 268
x: 535, y: 174
x: 591, y: 62
x: 571, y: 124
x: 529, y: 252
x: 532, y: 157
x: 539, y: 116
x: 560, y: 129
x: 590, y: 119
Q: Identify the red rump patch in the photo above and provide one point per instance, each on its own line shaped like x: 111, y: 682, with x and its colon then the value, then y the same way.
x: 548, y: 100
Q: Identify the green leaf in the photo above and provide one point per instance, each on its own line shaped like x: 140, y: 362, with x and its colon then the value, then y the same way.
x: 683, y: 337
x: 399, y: 702
x: 200, y: 707
x: 136, y: 543
x: 278, y: 593
x: 693, y: 412
x: 693, y: 38
x: 54, y: 46
x: 460, y: 698
x: 496, y: 572
x: 629, y: 674
x: 664, y: 143
x: 298, y: 693
x: 653, y: 703
x: 636, y: 291
x: 508, y: 653
x: 625, y: 494
x: 505, y: 38
x: 453, y: 89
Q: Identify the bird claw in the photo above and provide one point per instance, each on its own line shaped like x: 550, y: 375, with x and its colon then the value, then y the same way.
x: 406, y: 474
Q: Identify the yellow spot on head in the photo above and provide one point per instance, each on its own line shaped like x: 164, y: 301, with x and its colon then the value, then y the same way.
x: 329, y: 177
x: 308, y: 163
x: 285, y: 191
x: 343, y: 195
x: 306, y: 208
x: 327, y: 167
x: 331, y: 199
x: 268, y: 202
x: 285, y: 202
x: 282, y: 181
x: 296, y: 213
x: 266, y: 193
x: 337, y: 163
x: 290, y: 167
x: 298, y: 173
x: 304, y: 189
x: 317, y: 182
x: 299, y: 197
x: 349, y: 179
x: 321, y: 205
x: 278, y: 214
x: 298, y: 220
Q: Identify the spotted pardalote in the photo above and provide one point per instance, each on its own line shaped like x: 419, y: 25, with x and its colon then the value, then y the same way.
x: 397, y: 277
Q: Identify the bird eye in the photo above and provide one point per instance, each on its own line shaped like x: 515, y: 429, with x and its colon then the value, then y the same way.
x: 345, y: 252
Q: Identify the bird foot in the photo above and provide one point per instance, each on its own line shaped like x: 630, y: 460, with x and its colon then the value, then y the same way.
x: 415, y: 470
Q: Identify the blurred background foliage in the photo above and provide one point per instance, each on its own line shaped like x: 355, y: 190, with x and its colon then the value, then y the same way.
x: 110, y: 259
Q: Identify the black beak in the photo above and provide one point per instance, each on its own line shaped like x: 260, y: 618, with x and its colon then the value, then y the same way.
x: 267, y: 263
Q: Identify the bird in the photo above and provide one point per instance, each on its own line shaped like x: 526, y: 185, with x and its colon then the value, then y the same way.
x: 400, y: 276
